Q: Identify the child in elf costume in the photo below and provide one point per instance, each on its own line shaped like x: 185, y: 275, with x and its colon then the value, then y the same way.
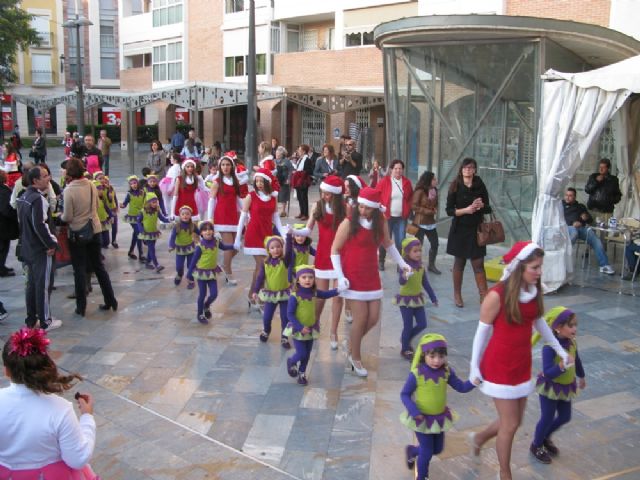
x: 135, y: 201
x: 556, y: 384
x: 204, y: 268
x: 424, y: 395
x: 181, y: 241
x: 303, y: 326
x: 148, y: 228
x: 410, y: 299
x: 272, y: 287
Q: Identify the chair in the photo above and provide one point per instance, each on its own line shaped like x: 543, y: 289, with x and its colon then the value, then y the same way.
x: 635, y: 270
x: 619, y: 239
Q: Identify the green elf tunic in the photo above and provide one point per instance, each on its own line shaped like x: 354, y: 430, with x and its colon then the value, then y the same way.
x: 112, y: 201
x: 149, y: 223
x: 276, y: 285
x: 103, y: 213
x: 562, y: 387
x: 183, y: 242
x: 135, y: 202
x: 207, y: 267
x: 305, y: 316
x: 411, y: 289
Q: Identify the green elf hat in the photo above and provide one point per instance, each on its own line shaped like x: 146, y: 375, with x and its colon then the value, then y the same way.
x: 304, y: 269
x: 150, y: 196
x: 427, y: 342
x: 299, y: 226
x: 555, y: 318
x: 273, y: 238
x: 131, y: 178
x: 151, y: 175
x: 409, y: 242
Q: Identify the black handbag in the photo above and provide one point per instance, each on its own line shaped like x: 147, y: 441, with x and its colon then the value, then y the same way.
x: 85, y: 234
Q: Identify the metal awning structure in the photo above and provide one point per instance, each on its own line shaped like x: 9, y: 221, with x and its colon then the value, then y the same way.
x: 202, y: 96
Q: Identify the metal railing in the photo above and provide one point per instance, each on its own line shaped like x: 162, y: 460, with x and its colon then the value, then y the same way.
x: 46, y: 39
x: 42, y: 77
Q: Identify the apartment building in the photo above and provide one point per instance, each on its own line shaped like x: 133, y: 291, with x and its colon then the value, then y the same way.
x: 322, y: 55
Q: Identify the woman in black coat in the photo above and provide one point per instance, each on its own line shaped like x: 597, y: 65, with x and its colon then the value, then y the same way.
x: 301, y: 180
x: 467, y: 202
x: 9, y: 229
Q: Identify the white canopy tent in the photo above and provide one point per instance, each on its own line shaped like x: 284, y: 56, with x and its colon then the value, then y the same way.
x: 575, y: 109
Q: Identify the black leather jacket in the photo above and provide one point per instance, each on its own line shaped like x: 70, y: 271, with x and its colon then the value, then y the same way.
x: 603, y: 195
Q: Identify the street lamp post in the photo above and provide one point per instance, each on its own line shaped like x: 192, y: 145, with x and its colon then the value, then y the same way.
x: 77, y: 23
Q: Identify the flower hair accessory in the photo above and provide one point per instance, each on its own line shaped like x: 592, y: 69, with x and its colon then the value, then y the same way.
x: 28, y: 341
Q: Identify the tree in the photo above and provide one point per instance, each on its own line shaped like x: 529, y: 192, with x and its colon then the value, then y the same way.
x: 15, y: 32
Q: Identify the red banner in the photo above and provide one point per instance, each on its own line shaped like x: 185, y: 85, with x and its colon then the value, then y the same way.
x: 111, y: 116
x: 4, y: 98
x: 7, y: 119
x: 182, y: 115
x: 47, y: 121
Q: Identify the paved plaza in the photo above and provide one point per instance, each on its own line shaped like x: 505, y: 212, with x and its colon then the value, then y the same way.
x: 179, y: 400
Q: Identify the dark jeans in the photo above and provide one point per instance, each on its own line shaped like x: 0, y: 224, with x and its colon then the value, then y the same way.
x: 38, y: 292
x: 83, y: 256
x: 303, y: 201
x: 432, y: 236
x: 4, y: 253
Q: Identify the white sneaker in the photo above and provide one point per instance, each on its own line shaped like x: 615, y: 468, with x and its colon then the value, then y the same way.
x: 333, y: 342
x: 348, y: 316
x: 53, y: 324
x: 607, y: 269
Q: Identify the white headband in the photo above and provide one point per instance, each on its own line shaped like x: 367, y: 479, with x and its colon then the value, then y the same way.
x: 524, y: 253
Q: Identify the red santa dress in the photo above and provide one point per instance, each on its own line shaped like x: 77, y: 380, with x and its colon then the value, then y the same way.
x: 359, y: 264
x: 226, y: 213
x: 326, y: 234
x: 260, y: 224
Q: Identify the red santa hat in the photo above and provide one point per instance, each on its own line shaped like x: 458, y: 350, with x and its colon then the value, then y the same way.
x: 187, y: 162
x: 332, y: 184
x: 358, y: 180
x: 370, y: 197
x: 226, y: 157
x: 241, y: 173
x: 231, y: 154
x: 519, y: 252
x: 269, y: 164
x: 265, y: 174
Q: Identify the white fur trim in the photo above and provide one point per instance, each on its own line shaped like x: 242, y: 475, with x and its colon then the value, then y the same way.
x: 226, y: 228
x: 262, y: 175
x: 356, y: 180
x: 368, y: 203
x: 362, y: 295
x: 327, y: 208
x: 364, y: 223
x: 325, y: 187
x: 274, y: 193
x: 263, y: 196
x: 328, y: 274
x: 184, y: 164
x: 228, y: 181
x: 254, y: 251
x: 507, y: 392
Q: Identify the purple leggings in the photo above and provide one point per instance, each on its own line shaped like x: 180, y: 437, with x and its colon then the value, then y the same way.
x: 269, y: 310
x: 408, y: 329
x: 550, y: 422
x: 212, y: 285
x: 151, y: 252
x: 134, y: 240
x: 302, y: 354
x: 180, y: 261
x: 429, y: 444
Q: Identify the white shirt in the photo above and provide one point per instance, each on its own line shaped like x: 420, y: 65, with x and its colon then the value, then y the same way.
x: 396, y: 197
x: 174, y: 171
x: 39, y: 429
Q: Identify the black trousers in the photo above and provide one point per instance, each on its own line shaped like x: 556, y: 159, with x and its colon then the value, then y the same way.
x: 4, y: 252
x: 37, y: 295
x: 303, y: 200
x: 88, y: 256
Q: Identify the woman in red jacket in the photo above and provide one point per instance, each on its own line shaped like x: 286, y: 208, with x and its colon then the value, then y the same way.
x: 396, y: 193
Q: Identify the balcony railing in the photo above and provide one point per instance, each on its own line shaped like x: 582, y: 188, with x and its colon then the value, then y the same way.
x: 46, y: 39
x: 42, y: 77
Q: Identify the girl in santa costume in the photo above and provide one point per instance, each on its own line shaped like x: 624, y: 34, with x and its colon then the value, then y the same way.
x: 303, y: 327
x: 410, y: 299
x: 328, y: 213
x: 510, y: 310
x: 268, y: 163
x: 135, y: 200
x: 424, y: 395
x: 272, y: 287
x: 181, y: 241
x: 241, y: 172
x: 186, y: 188
x: 204, y: 268
x: 225, y: 204
x: 167, y: 183
x: 260, y: 208
x: 352, y: 186
x: 556, y: 384
x: 41, y: 435
x: 354, y: 255
x: 148, y: 228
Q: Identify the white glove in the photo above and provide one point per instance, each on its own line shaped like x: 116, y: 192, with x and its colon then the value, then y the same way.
x: 276, y: 221
x: 547, y: 335
x: 343, y: 283
x: 210, y: 208
x: 172, y: 215
x: 479, y: 343
x: 396, y: 257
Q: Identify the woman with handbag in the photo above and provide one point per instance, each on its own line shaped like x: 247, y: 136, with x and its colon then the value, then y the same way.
x: 425, y: 208
x: 467, y: 202
x: 80, y: 211
x: 301, y: 180
x: 396, y: 193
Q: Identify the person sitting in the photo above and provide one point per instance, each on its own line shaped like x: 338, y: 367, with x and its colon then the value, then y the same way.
x: 577, y: 218
x: 40, y: 435
x: 630, y: 255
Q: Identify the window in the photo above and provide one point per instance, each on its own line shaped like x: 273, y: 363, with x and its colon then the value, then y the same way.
x: 236, y: 66
x: 232, y: 6
x: 108, y: 68
x: 167, y: 12
x: 362, y: 117
x: 357, y: 39
x: 41, y: 25
x: 275, y: 38
x: 293, y: 38
x: 310, y: 40
x: 167, y: 62
x: 107, y: 40
x: 41, y: 73
x: 313, y: 128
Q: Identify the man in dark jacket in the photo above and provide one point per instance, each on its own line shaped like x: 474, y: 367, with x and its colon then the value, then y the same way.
x: 351, y: 161
x: 578, y: 219
x: 38, y: 248
x: 603, y: 189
